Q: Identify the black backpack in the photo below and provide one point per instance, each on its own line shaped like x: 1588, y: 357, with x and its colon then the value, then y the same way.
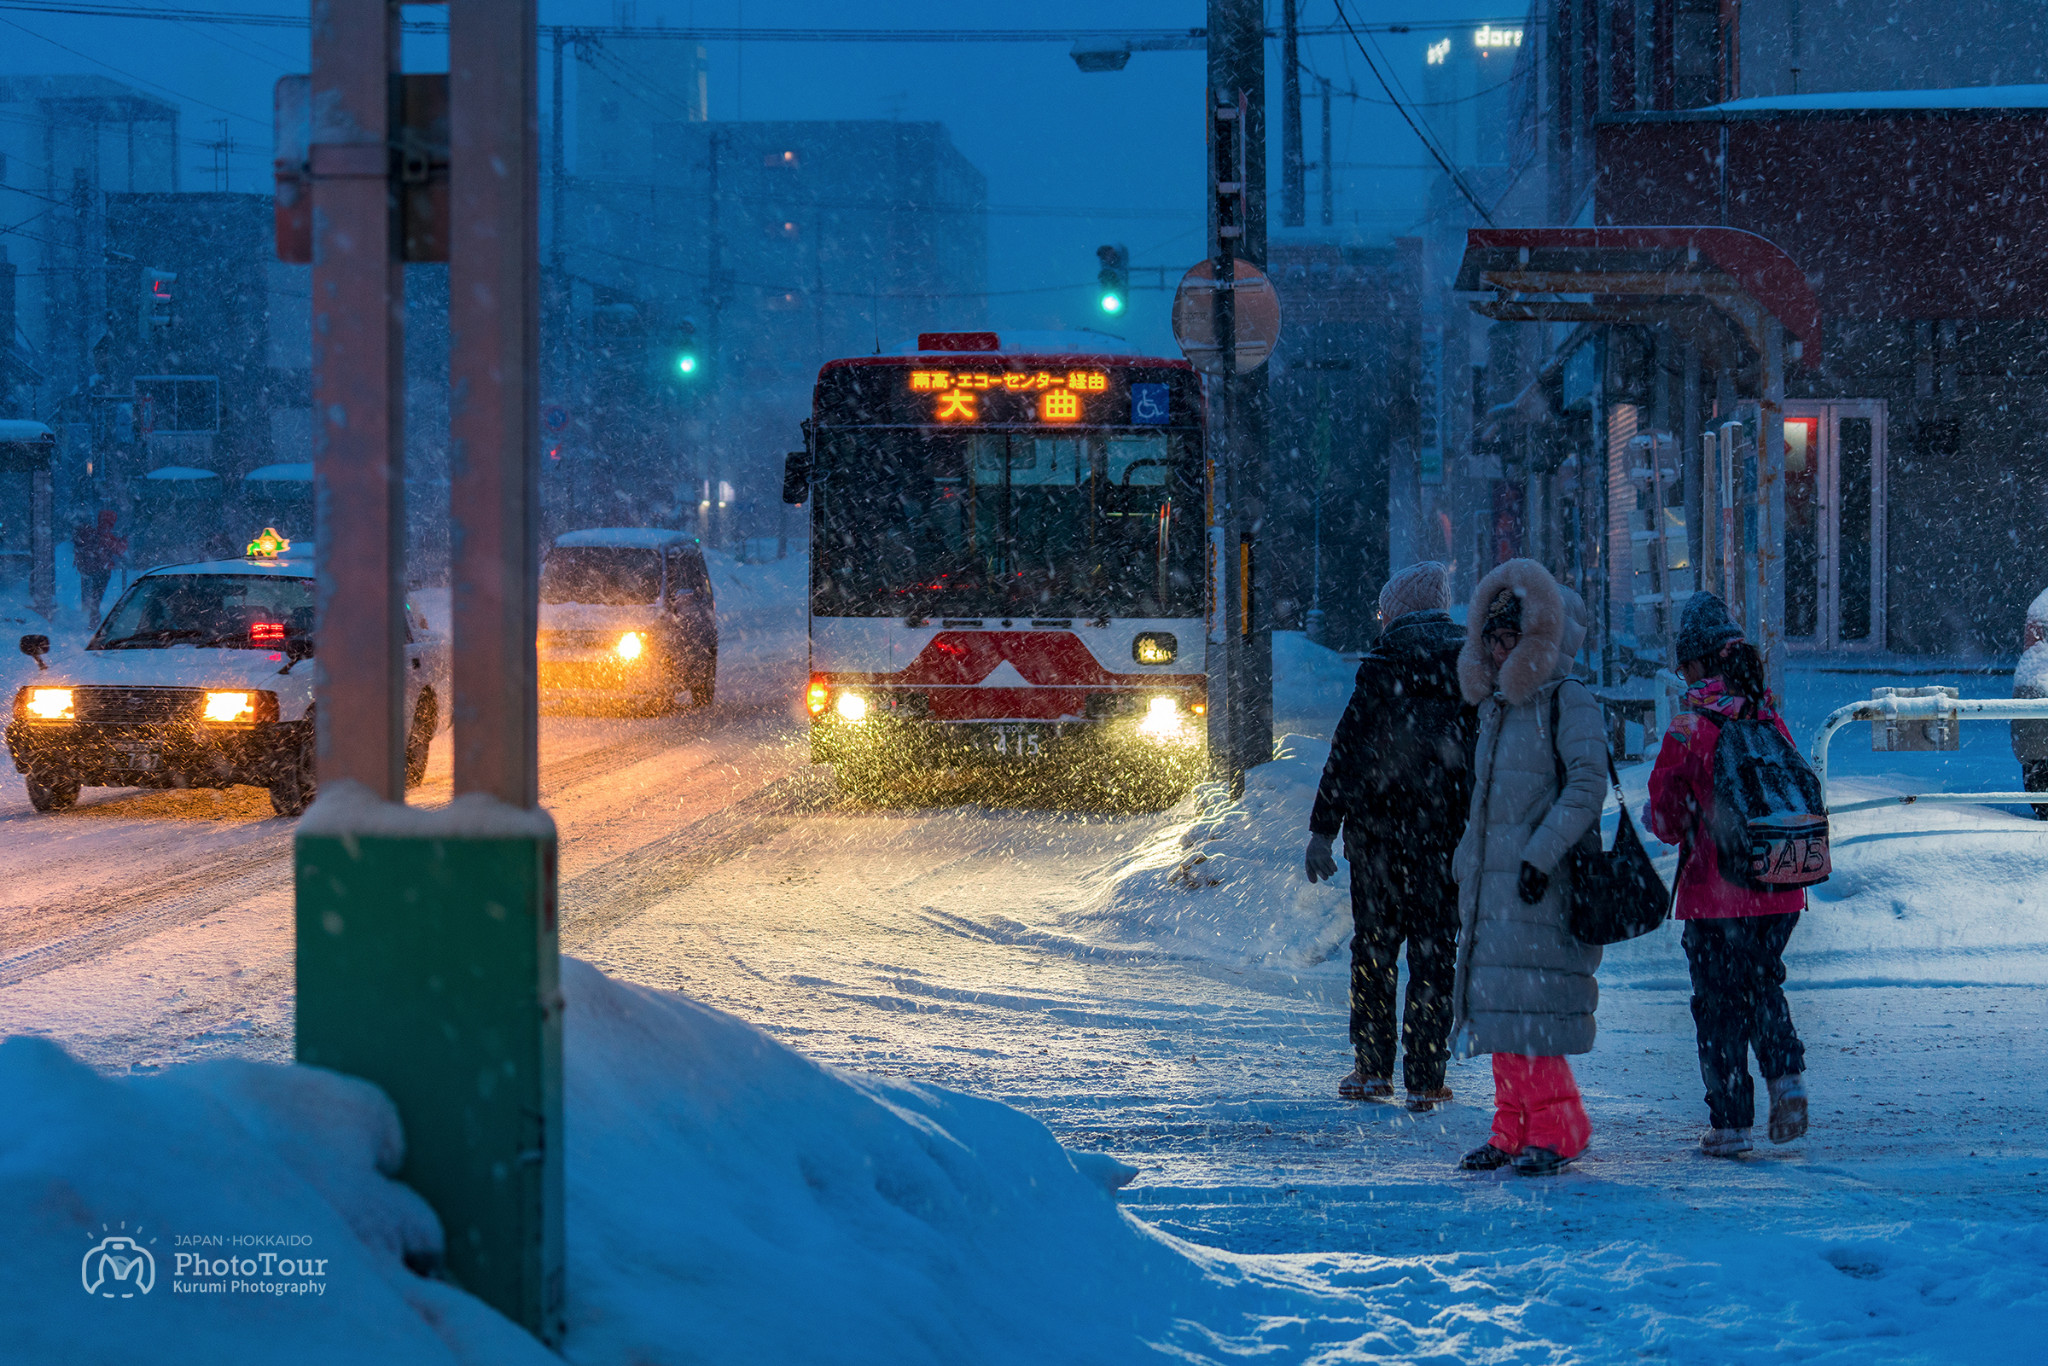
x: 1769, y: 821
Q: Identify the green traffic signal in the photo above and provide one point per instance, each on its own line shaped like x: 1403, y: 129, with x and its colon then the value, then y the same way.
x: 1114, y: 277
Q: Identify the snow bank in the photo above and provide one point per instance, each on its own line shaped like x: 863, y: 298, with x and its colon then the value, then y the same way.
x: 731, y: 1200
x: 1223, y: 880
x: 1311, y: 684
x: 219, y: 1150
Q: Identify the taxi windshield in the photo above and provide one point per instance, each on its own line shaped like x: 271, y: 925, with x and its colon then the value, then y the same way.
x: 236, y: 611
x: 613, y: 576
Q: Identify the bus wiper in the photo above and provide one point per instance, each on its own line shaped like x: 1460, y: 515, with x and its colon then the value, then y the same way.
x: 143, y: 637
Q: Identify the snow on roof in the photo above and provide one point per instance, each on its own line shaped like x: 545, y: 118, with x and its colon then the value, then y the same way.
x: 627, y: 537
x: 177, y: 472
x: 19, y: 429
x: 1082, y: 343
x: 1961, y: 97
x: 296, y: 563
x: 294, y: 471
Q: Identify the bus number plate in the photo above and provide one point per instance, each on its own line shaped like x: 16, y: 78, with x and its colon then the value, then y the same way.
x: 1016, y: 742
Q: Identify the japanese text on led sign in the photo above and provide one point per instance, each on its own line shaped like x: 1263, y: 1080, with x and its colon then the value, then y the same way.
x: 1015, y: 381
x: 957, y: 393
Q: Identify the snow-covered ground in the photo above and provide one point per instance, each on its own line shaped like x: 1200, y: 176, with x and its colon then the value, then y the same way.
x: 864, y: 1130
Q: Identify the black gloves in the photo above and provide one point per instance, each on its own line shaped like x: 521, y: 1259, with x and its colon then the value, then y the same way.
x: 1320, y: 863
x: 1532, y: 884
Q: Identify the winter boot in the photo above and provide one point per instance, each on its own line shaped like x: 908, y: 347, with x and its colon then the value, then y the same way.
x: 1534, y: 1161
x: 1358, y: 1086
x: 1484, y: 1158
x: 1725, y: 1142
x: 1788, y: 1107
x: 1422, y: 1102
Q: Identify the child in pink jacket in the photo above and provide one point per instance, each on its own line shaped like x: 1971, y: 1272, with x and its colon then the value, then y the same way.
x: 1734, y: 936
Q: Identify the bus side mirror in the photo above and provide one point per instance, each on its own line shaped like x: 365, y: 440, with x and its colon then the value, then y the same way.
x: 35, y: 647
x: 796, y: 477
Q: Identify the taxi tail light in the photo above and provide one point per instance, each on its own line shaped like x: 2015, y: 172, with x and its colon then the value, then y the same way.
x: 817, y: 697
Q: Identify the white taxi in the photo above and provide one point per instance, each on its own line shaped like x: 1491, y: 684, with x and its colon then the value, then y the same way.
x: 199, y: 678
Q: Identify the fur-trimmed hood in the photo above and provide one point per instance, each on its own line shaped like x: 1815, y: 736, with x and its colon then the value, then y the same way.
x: 1553, y: 628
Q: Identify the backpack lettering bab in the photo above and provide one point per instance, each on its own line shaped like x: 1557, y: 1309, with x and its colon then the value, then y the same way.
x: 1769, y: 823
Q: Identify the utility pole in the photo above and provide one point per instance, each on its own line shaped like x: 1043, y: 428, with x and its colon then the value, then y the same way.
x: 710, y: 461
x: 1293, y: 193
x: 1241, y: 641
x: 1329, y: 166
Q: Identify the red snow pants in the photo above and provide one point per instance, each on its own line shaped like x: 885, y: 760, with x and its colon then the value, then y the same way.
x: 1536, y: 1104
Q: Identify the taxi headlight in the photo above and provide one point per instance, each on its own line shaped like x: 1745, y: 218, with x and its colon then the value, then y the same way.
x: 49, y: 704
x: 853, y: 707
x: 230, y: 707
x: 630, y: 645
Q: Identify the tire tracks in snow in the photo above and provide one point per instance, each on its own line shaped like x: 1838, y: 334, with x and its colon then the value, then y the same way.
x: 599, y: 900
x: 615, y: 891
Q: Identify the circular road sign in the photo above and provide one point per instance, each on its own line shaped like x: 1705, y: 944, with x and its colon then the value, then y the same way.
x: 1194, y: 316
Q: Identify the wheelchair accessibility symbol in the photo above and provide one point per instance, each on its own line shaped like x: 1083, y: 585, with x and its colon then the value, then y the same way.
x: 1148, y: 405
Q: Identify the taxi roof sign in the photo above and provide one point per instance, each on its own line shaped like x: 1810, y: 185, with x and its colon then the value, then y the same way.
x: 268, y: 546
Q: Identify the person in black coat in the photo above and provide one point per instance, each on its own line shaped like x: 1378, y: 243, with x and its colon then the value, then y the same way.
x: 1397, y: 784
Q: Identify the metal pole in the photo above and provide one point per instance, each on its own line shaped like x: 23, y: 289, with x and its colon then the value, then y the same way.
x: 494, y: 438
x: 1293, y: 193
x: 358, y: 397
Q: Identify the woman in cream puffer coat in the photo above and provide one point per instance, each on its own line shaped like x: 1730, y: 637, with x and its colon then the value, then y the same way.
x: 1525, y: 989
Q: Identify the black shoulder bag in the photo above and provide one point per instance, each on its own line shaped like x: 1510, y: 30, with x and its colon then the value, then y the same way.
x: 1616, y: 893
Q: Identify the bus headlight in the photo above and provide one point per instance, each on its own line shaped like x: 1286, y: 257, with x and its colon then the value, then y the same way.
x: 230, y: 707
x: 49, y: 704
x: 853, y: 707
x: 630, y: 645
x: 1162, y: 720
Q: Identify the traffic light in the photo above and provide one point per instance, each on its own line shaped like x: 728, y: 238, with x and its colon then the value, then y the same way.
x: 156, y: 297
x: 1114, y: 277
x: 689, y: 359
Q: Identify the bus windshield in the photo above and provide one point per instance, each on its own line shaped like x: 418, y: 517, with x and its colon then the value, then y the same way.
x: 940, y: 522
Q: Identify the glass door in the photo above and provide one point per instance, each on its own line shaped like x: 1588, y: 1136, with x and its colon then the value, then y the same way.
x: 1834, y: 524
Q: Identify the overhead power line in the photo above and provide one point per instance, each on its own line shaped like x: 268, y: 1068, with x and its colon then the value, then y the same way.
x: 259, y: 19
x: 1401, y: 108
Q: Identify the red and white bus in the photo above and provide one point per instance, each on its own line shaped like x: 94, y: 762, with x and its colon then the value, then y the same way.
x: 1007, y: 551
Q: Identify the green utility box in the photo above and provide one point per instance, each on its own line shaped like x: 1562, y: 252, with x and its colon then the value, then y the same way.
x: 429, y: 966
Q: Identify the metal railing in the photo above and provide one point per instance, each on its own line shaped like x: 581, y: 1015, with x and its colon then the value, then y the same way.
x: 1948, y: 710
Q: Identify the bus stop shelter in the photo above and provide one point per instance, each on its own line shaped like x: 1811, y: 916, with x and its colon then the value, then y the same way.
x: 1725, y: 291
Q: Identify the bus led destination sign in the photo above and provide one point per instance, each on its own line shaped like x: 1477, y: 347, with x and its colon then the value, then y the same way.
x: 957, y: 393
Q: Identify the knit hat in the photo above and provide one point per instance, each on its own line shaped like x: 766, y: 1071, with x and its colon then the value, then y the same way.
x: 1424, y: 587
x: 1705, y: 627
x: 1504, y: 613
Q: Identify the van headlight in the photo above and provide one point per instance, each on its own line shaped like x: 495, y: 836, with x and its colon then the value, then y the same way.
x: 630, y: 645
x: 852, y: 707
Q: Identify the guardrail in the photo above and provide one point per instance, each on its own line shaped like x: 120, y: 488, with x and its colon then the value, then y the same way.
x: 1945, y: 709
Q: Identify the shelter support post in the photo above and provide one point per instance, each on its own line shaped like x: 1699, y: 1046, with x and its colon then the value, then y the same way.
x: 427, y: 942
x: 1770, y: 492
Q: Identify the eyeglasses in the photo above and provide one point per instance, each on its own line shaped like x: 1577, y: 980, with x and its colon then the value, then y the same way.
x: 1506, y: 640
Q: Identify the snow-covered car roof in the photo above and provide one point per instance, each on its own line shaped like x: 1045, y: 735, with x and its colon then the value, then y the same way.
x: 627, y: 537
x: 296, y: 563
